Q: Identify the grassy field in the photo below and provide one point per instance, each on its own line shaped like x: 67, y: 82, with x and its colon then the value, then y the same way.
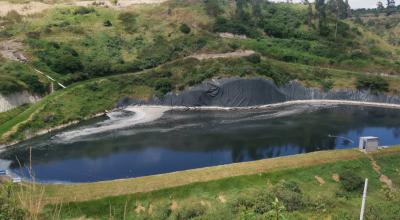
x: 232, y: 191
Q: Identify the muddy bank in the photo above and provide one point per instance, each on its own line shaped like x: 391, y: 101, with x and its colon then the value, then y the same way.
x: 238, y: 92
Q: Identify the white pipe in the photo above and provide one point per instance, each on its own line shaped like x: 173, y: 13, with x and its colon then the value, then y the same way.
x: 50, y: 78
x: 363, y: 199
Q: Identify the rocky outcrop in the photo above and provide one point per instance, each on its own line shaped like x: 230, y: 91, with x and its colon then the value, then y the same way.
x: 239, y: 92
x: 8, y: 102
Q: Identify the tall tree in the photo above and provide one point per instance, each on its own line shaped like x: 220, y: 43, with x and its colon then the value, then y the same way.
x: 320, y: 6
x: 380, y: 6
x: 391, y: 7
x: 349, y: 14
x: 310, y: 13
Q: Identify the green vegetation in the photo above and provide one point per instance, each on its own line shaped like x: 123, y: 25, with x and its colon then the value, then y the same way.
x: 351, y: 181
x: 292, y: 193
x: 15, y: 77
x: 373, y: 83
x: 5, y: 116
x: 9, y: 205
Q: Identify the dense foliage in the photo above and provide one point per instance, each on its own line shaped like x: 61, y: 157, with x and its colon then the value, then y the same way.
x: 351, y: 181
x: 16, y: 77
x: 373, y: 83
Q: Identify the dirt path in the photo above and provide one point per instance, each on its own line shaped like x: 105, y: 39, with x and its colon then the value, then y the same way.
x: 38, y: 7
x: 239, y: 53
x: 382, y: 178
x: 23, y: 9
x: 12, y: 50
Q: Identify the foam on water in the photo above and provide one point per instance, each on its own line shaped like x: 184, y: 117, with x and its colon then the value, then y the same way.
x: 117, y: 120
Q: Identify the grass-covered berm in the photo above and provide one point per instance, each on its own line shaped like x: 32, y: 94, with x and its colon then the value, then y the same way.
x: 320, y: 185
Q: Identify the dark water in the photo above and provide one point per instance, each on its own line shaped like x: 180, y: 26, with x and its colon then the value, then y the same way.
x: 191, y: 139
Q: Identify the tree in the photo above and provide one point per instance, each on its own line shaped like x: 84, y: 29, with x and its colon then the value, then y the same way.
x: 380, y: 6
x: 213, y: 8
x: 321, y: 9
x: 310, y: 13
x: 341, y: 11
x: 391, y: 7
x: 349, y: 14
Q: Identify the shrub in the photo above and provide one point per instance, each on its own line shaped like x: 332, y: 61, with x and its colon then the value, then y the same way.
x: 372, y: 83
x: 9, y: 207
x: 190, y: 211
x: 13, y: 16
x: 382, y: 211
x: 263, y: 202
x: 254, y: 58
x: 289, y: 193
x: 128, y: 20
x: 107, y: 23
x: 163, y: 211
x: 213, y: 7
x: 350, y: 181
x: 84, y: 10
x: 163, y: 86
x: 358, y: 54
x: 242, y: 203
x: 33, y: 82
x: 184, y: 28
x: 60, y: 57
x: 8, y: 87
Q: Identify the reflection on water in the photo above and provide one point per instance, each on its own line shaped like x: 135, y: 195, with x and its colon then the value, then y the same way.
x: 190, y: 139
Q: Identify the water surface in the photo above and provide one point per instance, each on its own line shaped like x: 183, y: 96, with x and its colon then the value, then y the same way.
x: 182, y: 140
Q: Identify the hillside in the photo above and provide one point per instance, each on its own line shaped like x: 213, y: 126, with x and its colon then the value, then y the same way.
x: 141, y: 50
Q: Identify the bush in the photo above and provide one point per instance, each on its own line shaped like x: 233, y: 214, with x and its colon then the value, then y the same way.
x: 372, y: 83
x: 84, y: 11
x: 254, y: 58
x: 213, y: 7
x: 9, y: 207
x: 128, y: 20
x: 60, y: 57
x: 290, y: 195
x: 184, y: 28
x: 190, y: 211
x: 350, y: 181
x: 107, y: 23
x: 261, y: 202
x: 33, y: 82
x: 13, y: 16
x: 382, y: 211
x: 163, y: 211
x: 163, y: 86
x: 9, y: 87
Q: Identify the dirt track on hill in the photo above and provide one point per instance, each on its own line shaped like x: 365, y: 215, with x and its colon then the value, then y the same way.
x: 239, y: 53
x: 38, y: 7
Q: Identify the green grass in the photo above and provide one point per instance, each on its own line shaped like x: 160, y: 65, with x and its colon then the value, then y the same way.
x: 330, y: 197
x: 6, y: 116
x: 390, y: 167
